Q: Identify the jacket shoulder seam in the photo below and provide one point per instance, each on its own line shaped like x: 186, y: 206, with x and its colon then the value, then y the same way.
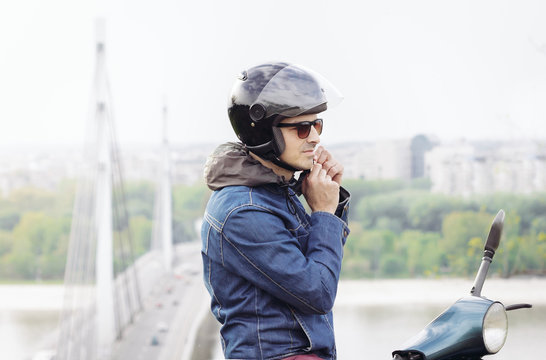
x: 243, y: 206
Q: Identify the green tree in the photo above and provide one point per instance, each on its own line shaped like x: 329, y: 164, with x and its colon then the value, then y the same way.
x: 421, y: 251
x: 530, y: 250
x: 8, y: 220
x: 538, y: 234
x: 190, y: 199
x: 528, y: 207
x: 365, y: 249
x: 427, y: 212
x: 40, y: 243
x: 32, y: 200
x: 6, y: 242
x: 392, y: 265
x: 141, y: 232
x: 140, y: 197
x: 189, y: 202
x: 6, y: 246
x: 392, y: 206
x: 360, y: 189
x: 538, y: 225
x: 459, y: 229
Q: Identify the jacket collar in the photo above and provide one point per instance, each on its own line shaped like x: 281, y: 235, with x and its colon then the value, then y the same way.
x: 231, y: 164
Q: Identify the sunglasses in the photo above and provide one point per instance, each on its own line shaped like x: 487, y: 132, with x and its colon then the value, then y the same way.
x: 304, y: 127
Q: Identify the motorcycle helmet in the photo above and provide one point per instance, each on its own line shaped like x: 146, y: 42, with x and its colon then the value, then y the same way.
x: 264, y: 95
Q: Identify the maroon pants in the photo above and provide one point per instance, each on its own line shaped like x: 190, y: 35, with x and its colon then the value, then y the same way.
x: 303, y: 357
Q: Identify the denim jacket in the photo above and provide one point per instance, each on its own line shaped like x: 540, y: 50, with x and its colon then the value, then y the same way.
x: 271, y: 269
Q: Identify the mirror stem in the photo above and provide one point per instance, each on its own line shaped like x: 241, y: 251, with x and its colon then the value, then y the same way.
x: 482, y: 273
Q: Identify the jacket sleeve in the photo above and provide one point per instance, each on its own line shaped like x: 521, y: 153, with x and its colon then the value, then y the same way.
x: 342, y: 210
x: 257, y: 246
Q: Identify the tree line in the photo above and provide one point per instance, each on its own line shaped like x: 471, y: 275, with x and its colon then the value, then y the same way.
x: 398, y: 229
x: 35, y: 226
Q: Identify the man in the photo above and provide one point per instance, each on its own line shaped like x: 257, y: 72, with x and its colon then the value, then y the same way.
x: 272, y: 269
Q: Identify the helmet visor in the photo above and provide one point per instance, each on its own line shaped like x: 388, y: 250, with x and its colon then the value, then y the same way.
x: 294, y: 90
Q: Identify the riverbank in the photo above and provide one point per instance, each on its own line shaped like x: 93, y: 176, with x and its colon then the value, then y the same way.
x: 31, y: 297
x: 49, y: 297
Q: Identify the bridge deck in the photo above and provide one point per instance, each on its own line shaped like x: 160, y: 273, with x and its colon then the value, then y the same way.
x: 172, y: 312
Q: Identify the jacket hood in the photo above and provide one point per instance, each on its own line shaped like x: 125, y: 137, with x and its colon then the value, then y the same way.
x: 231, y: 164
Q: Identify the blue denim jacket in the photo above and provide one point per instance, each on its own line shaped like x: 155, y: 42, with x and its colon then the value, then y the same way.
x: 272, y: 271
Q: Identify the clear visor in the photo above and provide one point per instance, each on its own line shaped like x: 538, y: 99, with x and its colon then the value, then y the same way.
x: 295, y: 90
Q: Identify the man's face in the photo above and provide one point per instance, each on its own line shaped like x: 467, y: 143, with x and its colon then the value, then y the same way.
x: 299, y: 152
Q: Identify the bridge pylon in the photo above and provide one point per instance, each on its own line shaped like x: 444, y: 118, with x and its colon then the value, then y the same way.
x: 166, y: 212
x: 102, y: 293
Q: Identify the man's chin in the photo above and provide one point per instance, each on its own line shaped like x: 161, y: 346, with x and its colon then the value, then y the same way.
x: 301, y: 167
x: 306, y: 166
x: 301, y: 164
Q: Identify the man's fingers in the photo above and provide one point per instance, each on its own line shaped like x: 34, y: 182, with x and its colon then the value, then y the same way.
x: 328, y: 165
x: 314, y: 171
x: 318, y: 151
x: 332, y: 171
x: 322, y: 173
x: 336, y: 172
x: 332, y: 167
x: 322, y: 156
x: 318, y: 172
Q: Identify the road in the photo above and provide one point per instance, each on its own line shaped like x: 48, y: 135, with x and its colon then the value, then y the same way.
x: 168, y: 324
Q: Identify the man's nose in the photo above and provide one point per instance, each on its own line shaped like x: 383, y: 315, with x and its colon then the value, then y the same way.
x: 314, y: 136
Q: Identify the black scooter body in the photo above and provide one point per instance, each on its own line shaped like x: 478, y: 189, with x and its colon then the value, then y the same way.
x: 472, y: 327
x: 456, y: 333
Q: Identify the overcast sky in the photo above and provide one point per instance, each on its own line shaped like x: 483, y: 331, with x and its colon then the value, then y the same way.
x: 456, y: 69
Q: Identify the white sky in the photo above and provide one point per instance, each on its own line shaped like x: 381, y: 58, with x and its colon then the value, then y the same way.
x: 465, y: 68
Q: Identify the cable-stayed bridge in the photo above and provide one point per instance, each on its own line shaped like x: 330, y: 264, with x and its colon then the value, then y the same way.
x: 117, y: 306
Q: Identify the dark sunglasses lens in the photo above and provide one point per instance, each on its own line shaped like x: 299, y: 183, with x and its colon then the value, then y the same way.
x: 318, y: 126
x: 304, y: 131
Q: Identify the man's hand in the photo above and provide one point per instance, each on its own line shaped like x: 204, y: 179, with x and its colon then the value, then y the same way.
x: 331, y: 165
x: 320, y: 191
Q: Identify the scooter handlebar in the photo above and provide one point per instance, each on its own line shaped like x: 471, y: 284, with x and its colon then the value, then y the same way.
x: 518, y: 306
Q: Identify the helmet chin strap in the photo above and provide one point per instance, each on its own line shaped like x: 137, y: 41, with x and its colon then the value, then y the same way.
x: 275, y: 160
x: 278, y: 146
x: 267, y: 152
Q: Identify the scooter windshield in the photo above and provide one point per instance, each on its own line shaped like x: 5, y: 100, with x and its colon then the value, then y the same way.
x: 295, y: 90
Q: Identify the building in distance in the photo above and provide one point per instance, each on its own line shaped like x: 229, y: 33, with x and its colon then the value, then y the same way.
x: 454, y: 168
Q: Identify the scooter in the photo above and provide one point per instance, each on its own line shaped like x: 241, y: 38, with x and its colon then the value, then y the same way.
x: 473, y: 326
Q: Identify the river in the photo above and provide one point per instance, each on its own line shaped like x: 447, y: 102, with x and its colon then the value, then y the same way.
x: 29, y: 316
x: 376, y: 317
x: 372, y: 317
